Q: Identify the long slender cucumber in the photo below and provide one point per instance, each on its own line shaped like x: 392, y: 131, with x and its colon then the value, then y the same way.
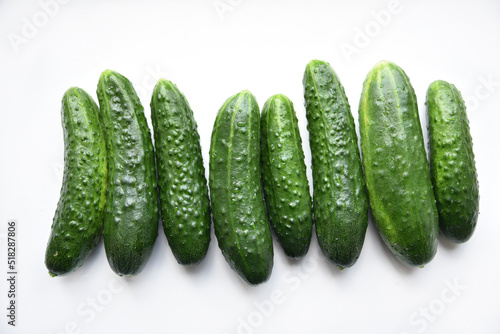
x: 131, y: 216
x: 339, y: 200
x: 238, y: 208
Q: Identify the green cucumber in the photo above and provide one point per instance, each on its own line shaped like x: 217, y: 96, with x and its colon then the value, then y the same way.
x: 184, y: 202
x: 339, y: 199
x: 131, y: 216
x: 396, y: 168
x: 237, y: 202
x: 453, y: 169
x: 284, y: 176
x: 78, y: 220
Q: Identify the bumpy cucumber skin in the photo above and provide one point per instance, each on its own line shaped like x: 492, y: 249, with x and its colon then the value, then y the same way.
x: 184, y: 202
x: 340, y: 201
x: 284, y: 176
x: 396, y: 168
x: 453, y: 169
x: 131, y: 215
x: 78, y: 220
x: 238, y: 208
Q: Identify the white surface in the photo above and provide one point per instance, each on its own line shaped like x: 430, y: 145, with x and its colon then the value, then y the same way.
x: 263, y: 47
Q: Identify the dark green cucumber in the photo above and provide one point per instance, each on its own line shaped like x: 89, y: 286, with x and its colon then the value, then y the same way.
x: 184, y: 203
x: 396, y: 168
x: 78, y: 220
x: 238, y: 208
x: 131, y: 216
x: 284, y: 176
x: 340, y: 200
x: 453, y: 169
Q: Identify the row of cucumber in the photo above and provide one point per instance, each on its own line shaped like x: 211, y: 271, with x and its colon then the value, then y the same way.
x: 115, y: 179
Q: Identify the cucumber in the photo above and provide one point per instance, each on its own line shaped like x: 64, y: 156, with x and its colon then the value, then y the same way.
x: 453, y: 169
x: 78, y: 220
x: 131, y: 215
x: 339, y: 200
x: 237, y: 202
x: 184, y: 203
x: 286, y: 188
x: 396, y: 169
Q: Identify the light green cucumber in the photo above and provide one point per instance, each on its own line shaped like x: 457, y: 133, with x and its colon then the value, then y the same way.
x: 396, y: 168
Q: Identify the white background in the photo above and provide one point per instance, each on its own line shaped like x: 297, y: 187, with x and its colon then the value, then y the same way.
x: 263, y: 46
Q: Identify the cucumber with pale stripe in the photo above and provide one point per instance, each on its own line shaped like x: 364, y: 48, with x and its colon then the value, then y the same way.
x: 239, y: 213
x: 396, y: 168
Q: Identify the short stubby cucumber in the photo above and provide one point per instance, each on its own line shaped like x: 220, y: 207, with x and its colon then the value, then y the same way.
x: 340, y: 200
x: 77, y: 224
x: 237, y: 202
x: 131, y: 215
x: 396, y: 167
x: 184, y: 203
x: 286, y: 187
x: 453, y: 169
